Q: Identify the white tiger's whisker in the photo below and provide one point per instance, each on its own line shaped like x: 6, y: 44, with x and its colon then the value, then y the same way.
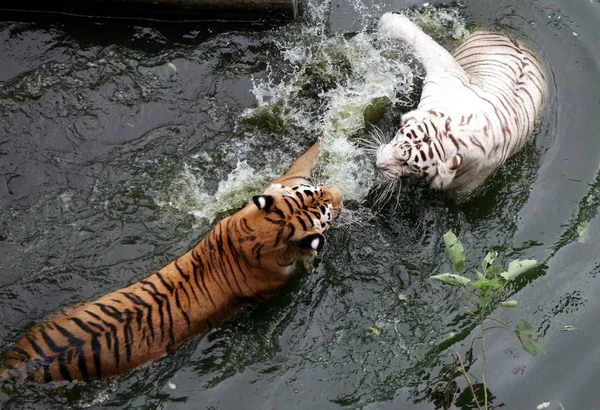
x: 386, y: 188
x: 397, y: 202
x: 346, y: 221
x: 376, y: 138
x: 378, y: 135
x: 368, y: 145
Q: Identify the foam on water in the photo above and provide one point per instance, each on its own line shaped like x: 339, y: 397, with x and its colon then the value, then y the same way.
x: 330, y: 82
x: 363, y: 68
x: 374, y: 75
x: 189, y: 194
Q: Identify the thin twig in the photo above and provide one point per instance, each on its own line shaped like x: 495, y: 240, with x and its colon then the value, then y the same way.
x: 468, y: 297
x: 456, y: 356
x: 485, y: 396
x: 503, y: 324
x: 495, y: 327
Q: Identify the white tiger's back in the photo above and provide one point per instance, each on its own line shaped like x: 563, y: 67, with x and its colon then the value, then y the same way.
x: 510, y: 74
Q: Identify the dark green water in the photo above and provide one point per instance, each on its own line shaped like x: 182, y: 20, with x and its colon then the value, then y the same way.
x: 114, y: 137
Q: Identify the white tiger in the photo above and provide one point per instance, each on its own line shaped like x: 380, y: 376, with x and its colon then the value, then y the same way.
x: 476, y: 110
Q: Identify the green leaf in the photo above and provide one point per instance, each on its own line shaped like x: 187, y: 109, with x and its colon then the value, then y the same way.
x: 451, y: 279
x: 509, y: 303
x: 484, y: 302
x: 480, y: 276
x: 495, y: 284
x: 487, y: 284
x: 494, y: 269
x: 456, y: 250
x: 529, y: 338
x: 469, y: 312
x: 489, y: 260
x: 518, y: 267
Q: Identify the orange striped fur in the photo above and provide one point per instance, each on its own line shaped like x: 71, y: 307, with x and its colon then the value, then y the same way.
x: 246, y: 258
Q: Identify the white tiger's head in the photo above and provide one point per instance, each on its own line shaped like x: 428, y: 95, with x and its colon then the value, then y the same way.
x: 418, y: 150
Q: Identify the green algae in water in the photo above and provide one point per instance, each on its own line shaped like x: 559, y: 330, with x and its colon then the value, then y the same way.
x: 269, y: 118
x: 443, y: 23
x: 376, y: 110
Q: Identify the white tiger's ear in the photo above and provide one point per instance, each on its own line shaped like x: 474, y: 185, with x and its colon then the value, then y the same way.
x: 455, y: 162
x: 263, y: 201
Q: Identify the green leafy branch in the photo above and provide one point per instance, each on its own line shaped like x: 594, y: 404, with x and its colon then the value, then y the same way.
x: 484, y: 294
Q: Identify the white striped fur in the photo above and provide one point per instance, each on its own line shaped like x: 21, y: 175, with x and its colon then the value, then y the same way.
x: 477, y: 108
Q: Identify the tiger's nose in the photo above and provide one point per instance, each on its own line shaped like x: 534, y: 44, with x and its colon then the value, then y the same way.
x: 385, y: 159
x: 386, y: 169
x: 336, y: 199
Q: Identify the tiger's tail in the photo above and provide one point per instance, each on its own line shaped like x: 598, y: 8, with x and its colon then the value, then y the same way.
x: 433, y: 56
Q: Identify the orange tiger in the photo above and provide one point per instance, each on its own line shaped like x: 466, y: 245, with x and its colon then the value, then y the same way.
x: 244, y: 259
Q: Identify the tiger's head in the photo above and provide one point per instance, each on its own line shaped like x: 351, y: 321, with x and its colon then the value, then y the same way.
x: 285, y: 225
x: 420, y: 149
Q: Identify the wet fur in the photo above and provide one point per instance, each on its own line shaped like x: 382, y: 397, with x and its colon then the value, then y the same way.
x: 244, y: 259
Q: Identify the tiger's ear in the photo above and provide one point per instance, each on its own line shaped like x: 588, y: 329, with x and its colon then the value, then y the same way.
x: 314, y: 242
x: 455, y: 162
x: 263, y: 202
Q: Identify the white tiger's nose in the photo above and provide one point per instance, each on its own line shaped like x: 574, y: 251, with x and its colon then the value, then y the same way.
x: 385, y: 167
x: 385, y: 158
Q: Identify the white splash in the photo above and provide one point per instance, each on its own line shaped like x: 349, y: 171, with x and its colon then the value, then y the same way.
x: 330, y: 83
x: 189, y: 193
x: 364, y: 69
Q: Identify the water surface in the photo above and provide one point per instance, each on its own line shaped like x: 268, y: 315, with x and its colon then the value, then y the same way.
x: 121, y: 142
